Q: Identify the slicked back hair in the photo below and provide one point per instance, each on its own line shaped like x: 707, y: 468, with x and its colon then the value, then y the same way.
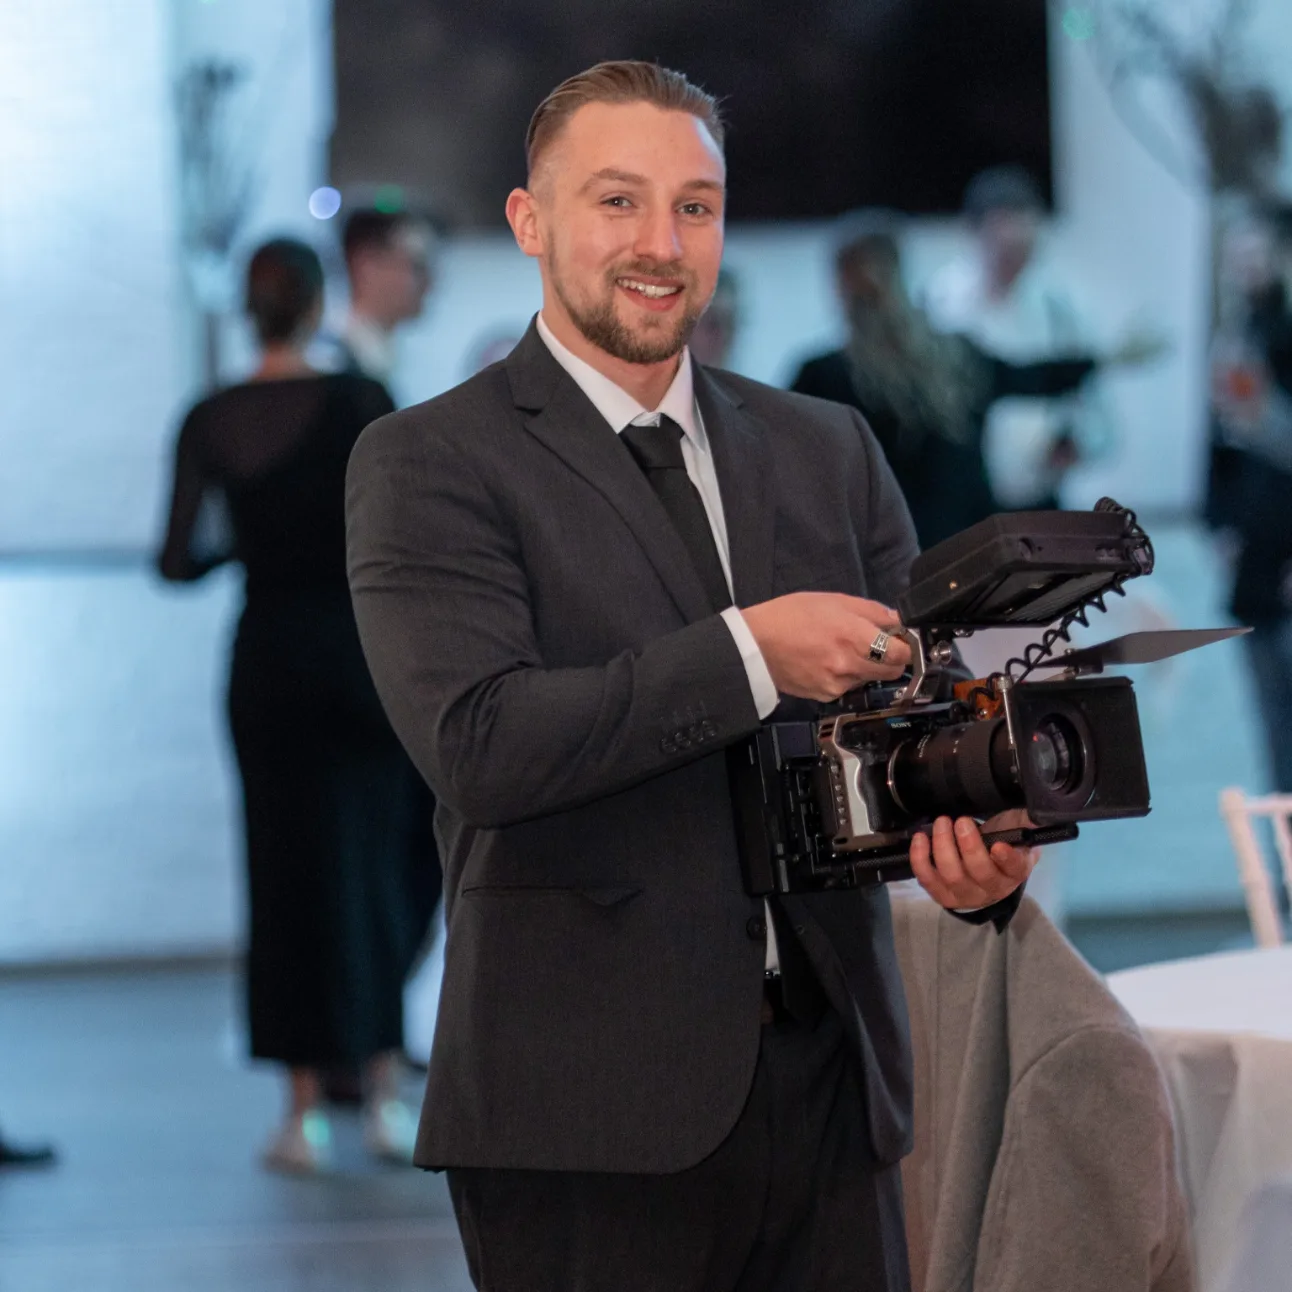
x: 623, y: 81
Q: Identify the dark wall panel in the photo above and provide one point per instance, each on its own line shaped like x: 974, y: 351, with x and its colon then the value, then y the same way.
x: 834, y: 105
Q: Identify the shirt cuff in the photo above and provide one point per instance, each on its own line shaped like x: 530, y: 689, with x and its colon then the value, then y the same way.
x: 761, y: 685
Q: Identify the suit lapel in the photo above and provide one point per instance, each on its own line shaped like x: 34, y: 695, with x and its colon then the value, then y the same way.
x: 565, y: 420
x: 742, y: 458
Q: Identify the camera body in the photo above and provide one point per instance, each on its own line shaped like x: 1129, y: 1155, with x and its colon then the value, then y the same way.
x: 835, y: 802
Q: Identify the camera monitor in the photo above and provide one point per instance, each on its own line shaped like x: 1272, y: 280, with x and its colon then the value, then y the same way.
x: 1027, y: 567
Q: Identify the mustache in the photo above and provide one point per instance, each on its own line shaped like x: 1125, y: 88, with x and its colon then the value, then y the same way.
x: 654, y: 268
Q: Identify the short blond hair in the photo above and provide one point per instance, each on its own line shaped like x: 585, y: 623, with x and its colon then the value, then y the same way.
x: 621, y: 81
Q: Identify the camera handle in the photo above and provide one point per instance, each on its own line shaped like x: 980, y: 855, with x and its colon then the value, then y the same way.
x: 1033, y: 836
x: 890, y: 865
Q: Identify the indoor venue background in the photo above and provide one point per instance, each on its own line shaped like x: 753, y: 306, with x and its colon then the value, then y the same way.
x: 121, y: 246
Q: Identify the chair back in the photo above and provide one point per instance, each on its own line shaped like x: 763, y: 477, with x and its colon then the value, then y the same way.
x: 1258, y: 878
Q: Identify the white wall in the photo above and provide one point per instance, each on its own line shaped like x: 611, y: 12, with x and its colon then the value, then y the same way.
x: 89, y: 283
x: 118, y: 808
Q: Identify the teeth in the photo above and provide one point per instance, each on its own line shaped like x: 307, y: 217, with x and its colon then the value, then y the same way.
x: 648, y: 289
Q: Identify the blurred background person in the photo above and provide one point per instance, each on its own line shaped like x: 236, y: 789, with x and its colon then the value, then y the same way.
x: 715, y: 332
x: 323, y: 778
x: 1249, y: 496
x: 924, y: 393
x: 389, y: 267
x: 389, y: 261
x: 1004, y: 297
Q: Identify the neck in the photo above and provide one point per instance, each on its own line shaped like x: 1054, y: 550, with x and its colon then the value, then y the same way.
x: 1000, y: 278
x: 282, y: 359
x: 362, y: 312
x: 647, y: 383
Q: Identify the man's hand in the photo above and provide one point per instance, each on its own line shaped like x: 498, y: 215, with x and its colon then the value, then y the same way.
x: 817, y: 644
x: 961, y: 874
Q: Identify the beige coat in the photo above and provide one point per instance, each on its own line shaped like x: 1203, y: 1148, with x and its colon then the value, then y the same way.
x: 1044, y: 1153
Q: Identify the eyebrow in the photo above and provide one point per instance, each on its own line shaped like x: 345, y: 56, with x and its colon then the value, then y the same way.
x: 628, y: 177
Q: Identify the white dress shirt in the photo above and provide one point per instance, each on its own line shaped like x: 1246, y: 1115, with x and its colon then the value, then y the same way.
x: 620, y: 409
x: 373, y: 347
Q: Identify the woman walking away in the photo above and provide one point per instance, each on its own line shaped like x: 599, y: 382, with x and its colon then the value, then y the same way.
x: 325, y: 783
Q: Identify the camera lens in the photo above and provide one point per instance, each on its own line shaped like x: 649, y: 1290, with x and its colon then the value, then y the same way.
x: 967, y: 768
x: 1055, y: 751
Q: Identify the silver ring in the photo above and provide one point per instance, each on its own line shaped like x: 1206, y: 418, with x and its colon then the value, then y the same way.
x: 879, y: 647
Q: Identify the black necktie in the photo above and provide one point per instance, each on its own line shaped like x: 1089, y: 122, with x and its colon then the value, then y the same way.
x: 658, y: 450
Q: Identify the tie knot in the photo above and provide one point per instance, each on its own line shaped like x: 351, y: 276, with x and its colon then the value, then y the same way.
x: 656, y: 448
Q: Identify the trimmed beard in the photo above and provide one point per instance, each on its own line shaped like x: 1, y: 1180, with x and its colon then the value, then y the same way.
x: 600, y: 325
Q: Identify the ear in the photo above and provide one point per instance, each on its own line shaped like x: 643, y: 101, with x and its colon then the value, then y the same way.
x: 522, y: 215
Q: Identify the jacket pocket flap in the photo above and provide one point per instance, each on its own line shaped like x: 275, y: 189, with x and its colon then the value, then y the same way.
x: 601, y: 896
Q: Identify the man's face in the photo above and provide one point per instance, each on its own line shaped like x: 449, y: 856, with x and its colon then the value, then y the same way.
x: 1008, y: 237
x: 625, y: 215
x: 392, y: 281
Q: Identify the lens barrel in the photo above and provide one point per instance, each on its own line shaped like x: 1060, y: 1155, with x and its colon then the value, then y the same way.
x: 965, y: 769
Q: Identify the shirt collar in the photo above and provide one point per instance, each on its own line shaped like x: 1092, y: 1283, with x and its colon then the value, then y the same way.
x: 616, y: 405
x: 372, y: 347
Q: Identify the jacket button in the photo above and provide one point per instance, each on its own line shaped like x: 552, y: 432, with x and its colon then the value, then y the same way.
x: 756, y: 927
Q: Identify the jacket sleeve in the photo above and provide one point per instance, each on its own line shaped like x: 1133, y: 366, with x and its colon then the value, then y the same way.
x: 443, y: 604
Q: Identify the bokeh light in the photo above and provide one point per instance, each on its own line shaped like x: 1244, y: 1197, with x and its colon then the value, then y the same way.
x: 324, y: 203
x: 389, y: 198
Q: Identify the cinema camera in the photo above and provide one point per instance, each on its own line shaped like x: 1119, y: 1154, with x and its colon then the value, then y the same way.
x: 834, y: 803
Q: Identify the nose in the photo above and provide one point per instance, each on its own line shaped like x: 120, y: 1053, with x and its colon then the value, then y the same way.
x: 657, y: 236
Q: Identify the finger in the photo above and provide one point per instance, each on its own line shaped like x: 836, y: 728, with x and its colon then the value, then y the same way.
x: 875, y: 611
x: 946, y: 855
x: 1015, y: 863
x: 1011, y: 819
x: 897, y: 654
x: 968, y: 888
x: 922, y: 868
x: 974, y: 856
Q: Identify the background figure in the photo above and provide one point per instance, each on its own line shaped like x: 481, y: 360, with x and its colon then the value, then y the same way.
x: 1013, y: 308
x: 323, y: 778
x: 1249, y: 494
x: 388, y: 261
x: 925, y: 394
x: 715, y: 330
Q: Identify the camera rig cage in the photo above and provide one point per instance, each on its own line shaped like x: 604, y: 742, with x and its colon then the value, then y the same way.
x: 834, y: 803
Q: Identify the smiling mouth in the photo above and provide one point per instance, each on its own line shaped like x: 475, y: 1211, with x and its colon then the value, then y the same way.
x: 653, y: 291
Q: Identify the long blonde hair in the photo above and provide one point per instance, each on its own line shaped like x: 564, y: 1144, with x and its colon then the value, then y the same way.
x: 927, y: 380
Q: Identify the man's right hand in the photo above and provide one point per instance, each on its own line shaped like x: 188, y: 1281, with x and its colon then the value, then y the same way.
x: 817, y: 644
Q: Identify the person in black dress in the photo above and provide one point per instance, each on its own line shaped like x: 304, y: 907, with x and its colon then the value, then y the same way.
x: 324, y: 780
x: 925, y: 394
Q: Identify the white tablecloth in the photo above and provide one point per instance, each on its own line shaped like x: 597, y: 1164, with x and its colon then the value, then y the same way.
x: 1221, y: 1027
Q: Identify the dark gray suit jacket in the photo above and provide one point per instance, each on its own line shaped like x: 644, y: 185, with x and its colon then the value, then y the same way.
x: 546, y: 652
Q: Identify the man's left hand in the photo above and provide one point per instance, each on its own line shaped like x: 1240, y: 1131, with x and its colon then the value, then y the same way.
x: 959, y: 872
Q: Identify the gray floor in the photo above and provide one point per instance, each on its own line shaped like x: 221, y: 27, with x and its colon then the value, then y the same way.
x: 138, y: 1077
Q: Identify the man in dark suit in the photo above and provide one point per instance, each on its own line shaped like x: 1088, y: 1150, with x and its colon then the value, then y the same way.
x: 579, y: 577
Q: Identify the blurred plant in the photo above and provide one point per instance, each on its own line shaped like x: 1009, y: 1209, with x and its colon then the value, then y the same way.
x: 216, y: 184
x: 1203, y: 60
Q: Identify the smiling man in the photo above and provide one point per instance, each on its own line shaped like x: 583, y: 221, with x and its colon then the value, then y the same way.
x: 578, y: 578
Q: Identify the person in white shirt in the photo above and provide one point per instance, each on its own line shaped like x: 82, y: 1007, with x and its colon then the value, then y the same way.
x: 1008, y: 301
x: 389, y: 261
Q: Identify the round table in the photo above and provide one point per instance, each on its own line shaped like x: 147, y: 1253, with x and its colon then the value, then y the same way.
x: 1221, y: 1027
